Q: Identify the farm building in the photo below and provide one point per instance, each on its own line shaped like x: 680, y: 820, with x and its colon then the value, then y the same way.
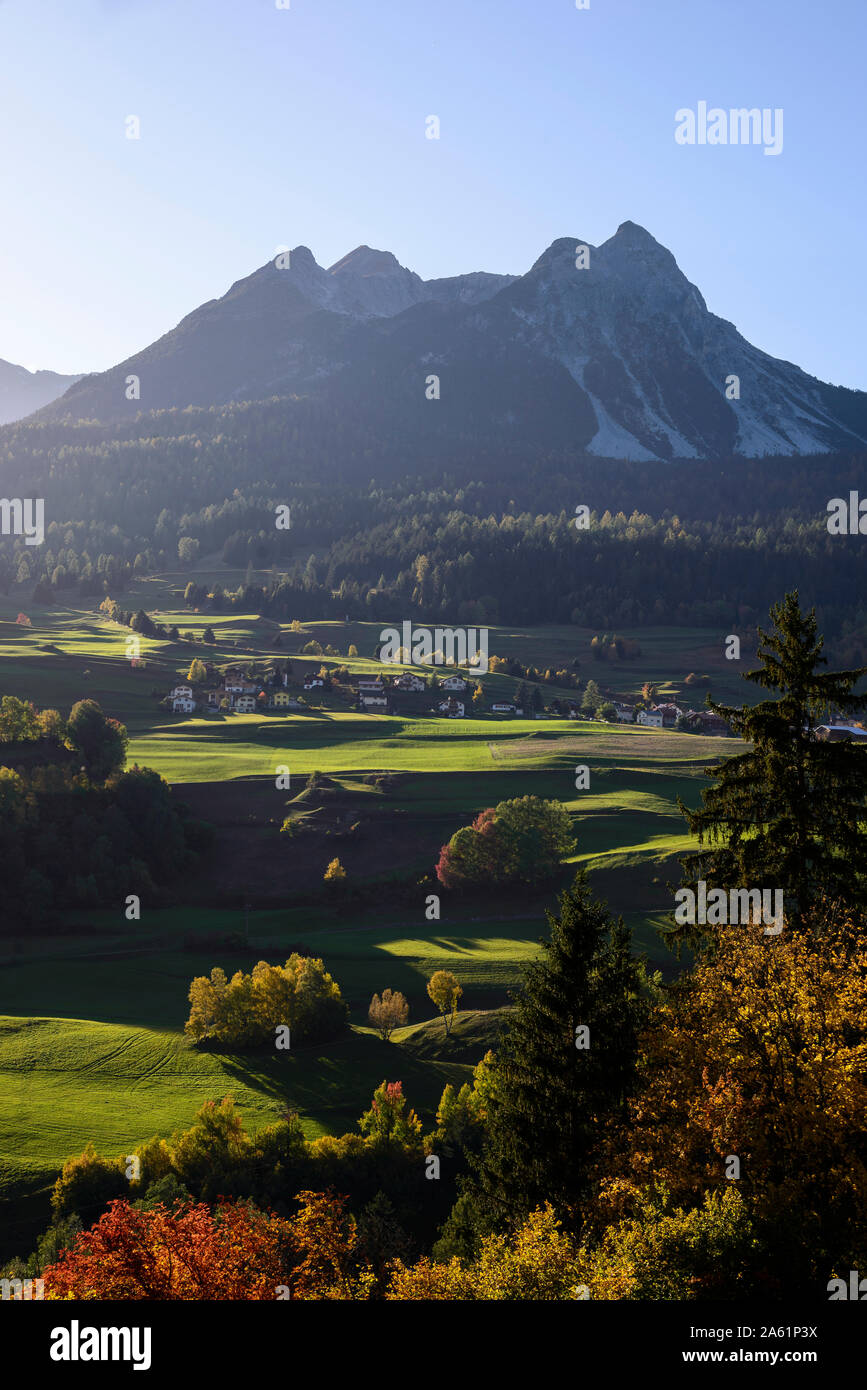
x: 713, y: 723
x: 407, y: 681
x: 650, y: 718
x: 670, y: 714
x: 837, y: 733
x: 454, y: 709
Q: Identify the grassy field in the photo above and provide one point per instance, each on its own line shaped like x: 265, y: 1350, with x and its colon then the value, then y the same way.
x: 91, y: 1018
x: 67, y: 1081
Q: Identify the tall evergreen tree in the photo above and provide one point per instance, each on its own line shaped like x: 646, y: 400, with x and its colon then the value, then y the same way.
x: 552, y: 1084
x: 592, y: 698
x: 790, y: 812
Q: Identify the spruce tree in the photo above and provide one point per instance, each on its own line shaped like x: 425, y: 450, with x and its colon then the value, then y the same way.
x: 789, y: 812
x: 550, y: 1093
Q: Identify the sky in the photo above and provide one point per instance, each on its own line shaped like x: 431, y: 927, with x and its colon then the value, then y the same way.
x: 264, y: 127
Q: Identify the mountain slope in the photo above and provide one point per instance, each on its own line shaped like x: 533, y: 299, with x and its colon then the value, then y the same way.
x: 22, y: 392
x: 619, y: 358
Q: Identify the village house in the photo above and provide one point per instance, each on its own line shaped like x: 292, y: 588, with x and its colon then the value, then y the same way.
x: 313, y: 682
x: 650, y: 718
x: 625, y: 713
x: 670, y: 714
x: 407, y: 681
x: 245, y: 704
x: 280, y: 699
x: 369, y: 699
x: 372, y: 684
x: 503, y: 709
x: 713, y: 723
x: 453, y: 683
x: 454, y: 709
x: 181, y: 692
x: 183, y: 704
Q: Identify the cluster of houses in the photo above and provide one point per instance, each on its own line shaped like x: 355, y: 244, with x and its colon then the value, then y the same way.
x: 374, y: 694
x: 667, y: 714
x: 236, y: 692
x: 662, y: 716
x: 245, y: 694
x: 242, y: 693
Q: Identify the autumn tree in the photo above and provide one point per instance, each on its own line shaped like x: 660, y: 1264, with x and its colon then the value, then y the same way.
x: 538, y: 1262
x: 388, y: 1012
x: 335, y: 874
x: 246, y: 1010
x: 757, y: 1056
x: 323, y: 1240
x: 388, y: 1121
x: 192, y: 1253
x: 790, y: 810
x: 198, y: 672
x: 666, y: 1251
x: 444, y: 991
x: 521, y: 841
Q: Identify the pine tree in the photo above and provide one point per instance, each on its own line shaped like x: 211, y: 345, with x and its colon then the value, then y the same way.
x: 790, y: 812
x: 553, y: 1085
x: 592, y: 698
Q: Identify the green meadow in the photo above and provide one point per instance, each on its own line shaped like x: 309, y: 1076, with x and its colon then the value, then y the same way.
x: 91, y: 1018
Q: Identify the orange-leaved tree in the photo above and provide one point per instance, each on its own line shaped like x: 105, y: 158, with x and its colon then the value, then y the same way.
x: 234, y: 1252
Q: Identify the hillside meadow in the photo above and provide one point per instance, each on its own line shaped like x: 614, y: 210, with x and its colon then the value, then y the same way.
x: 92, y: 1013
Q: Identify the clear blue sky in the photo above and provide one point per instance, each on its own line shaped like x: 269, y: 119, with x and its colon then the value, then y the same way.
x: 263, y: 127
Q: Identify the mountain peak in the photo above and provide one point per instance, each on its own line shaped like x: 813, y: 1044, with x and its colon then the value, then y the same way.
x: 634, y: 233
x: 301, y: 256
x: 562, y: 250
x: 614, y: 352
x: 634, y: 244
x: 364, y: 260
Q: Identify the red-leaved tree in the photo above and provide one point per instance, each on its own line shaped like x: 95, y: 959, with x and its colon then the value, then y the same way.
x: 234, y: 1252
